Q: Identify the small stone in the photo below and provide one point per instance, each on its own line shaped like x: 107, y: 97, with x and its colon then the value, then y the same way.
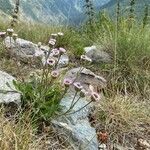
x: 97, y: 55
x: 8, y: 92
x: 102, y: 147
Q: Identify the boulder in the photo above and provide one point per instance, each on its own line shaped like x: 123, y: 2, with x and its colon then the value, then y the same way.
x: 97, y: 55
x: 76, y: 125
x: 26, y: 50
x: 21, y: 48
x: 86, y: 77
x: 8, y: 92
x: 64, y: 61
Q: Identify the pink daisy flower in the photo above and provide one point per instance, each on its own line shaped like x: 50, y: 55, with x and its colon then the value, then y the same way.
x: 67, y: 82
x: 54, y: 74
x: 62, y: 50
x: 51, y: 62
x: 55, y: 52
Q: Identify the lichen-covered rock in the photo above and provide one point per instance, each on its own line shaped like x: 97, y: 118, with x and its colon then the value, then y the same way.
x: 25, y: 50
x: 22, y: 49
x: 86, y: 77
x: 76, y: 125
x: 8, y: 92
x: 97, y: 55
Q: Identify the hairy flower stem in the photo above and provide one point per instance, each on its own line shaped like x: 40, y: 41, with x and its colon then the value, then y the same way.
x: 80, y: 70
x: 16, y: 61
x: 57, y: 61
x: 80, y: 108
x: 45, y: 66
x: 75, y: 103
x: 73, y: 99
x: 72, y: 104
x: 65, y: 91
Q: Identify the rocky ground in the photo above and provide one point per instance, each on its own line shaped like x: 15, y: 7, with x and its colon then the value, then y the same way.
x: 81, y: 129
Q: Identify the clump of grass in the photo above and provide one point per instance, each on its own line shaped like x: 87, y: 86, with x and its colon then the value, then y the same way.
x: 124, y: 118
x: 15, y: 135
x: 18, y: 133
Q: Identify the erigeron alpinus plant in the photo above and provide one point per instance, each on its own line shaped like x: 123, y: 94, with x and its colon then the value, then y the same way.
x: 42, y: 94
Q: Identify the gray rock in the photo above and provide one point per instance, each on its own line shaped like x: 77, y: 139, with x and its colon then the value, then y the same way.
x: 86, y: 78
x: 24, y: 50
x: 64, y: 61
x: 77, y: 127
x: 97, y: 54
x: 8, y: 92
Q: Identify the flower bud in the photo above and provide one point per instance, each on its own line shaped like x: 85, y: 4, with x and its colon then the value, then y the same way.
x: 85, y: 58
x: 60, y: 34
x: 95, y: 96
x: 62, y: 50
x: 39, y: 44
x: 15, y: 36
x: 83, y: 93
x: 77, y: 86
x: 2, y: 35
x: 10, y: 32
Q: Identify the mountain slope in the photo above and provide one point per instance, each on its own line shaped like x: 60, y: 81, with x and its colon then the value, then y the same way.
x: 125, y: 6
x: 51, y: 11
x: 64, y: 11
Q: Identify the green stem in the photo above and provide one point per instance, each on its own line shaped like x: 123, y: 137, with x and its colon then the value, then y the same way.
x: 57, y: 61
x: 73, y: 99
x: 79, y: 109
x: 75, y: 102
x: 80, y: 70
x: 72, y: 103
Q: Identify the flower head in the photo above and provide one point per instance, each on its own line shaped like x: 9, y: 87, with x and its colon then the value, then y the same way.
x: 51, y: 62
x: 10, y: 32
x: 60, y: 34
x: 54, y: 35
x: 77, y: 86
x: 39, y: 44
x: 55, y: 52
x: 95, y: 96
x: 52, y: 42
x: 15, y: 36
x: 67, y: 82
x: 62, y: 50
x: 2, y: 34
x: 85, y: 58
x: 54, y: 74
x: 83, y: 93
